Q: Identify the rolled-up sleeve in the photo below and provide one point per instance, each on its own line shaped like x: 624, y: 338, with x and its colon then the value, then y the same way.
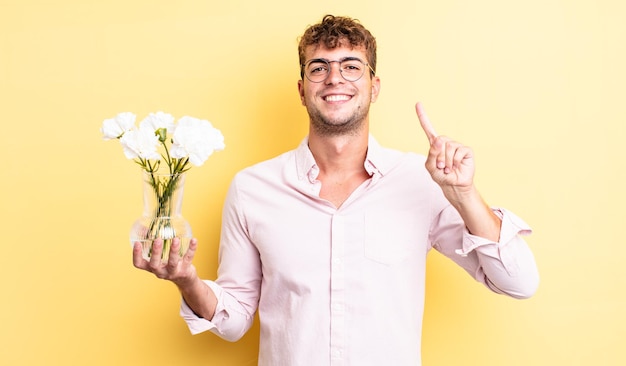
x: 227, y: 307
x: 507, y: 266
x: 195, y: 323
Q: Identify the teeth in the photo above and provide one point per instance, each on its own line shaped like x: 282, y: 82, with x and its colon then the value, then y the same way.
x: 337, y: 98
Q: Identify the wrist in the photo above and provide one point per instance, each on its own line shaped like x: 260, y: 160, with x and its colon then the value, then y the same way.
x: 188, y: 283
x: 461, y: 196
x: 476, y: 214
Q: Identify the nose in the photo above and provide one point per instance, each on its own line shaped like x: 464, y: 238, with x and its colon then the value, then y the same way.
x: 334, y: 73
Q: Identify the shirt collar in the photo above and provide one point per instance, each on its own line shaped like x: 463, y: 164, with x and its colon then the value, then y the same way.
x: 375, y: 162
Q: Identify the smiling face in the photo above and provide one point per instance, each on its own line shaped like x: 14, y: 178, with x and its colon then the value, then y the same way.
x: 337, y: 106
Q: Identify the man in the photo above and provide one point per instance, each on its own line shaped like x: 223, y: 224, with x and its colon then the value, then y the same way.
x: 329, y: 241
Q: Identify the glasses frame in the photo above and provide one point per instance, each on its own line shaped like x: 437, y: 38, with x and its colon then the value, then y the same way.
x: 329, y: 62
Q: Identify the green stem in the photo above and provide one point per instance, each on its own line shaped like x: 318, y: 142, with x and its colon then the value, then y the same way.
x: 163, y: 188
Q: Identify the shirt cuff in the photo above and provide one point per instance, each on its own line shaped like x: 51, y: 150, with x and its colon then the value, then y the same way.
x: 511, y: 227
x: 195, y: 323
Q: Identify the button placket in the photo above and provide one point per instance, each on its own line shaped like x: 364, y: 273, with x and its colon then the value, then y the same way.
x: 337, y: 291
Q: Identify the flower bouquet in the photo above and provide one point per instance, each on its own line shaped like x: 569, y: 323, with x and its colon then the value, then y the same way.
x: 165, y: 150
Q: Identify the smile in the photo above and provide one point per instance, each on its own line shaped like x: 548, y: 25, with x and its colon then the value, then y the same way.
x: 337, y: 98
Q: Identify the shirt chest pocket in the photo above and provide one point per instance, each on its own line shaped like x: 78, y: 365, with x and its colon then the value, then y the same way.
x: 390, y: 237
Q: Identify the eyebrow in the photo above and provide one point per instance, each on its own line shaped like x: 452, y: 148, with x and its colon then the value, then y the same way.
x: 349, y: 58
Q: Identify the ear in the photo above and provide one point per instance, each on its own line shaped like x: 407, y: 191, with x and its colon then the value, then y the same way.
x: 301, y: 90
x: 375, y: 88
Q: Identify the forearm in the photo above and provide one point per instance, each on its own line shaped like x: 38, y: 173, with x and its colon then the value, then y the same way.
x: 476, y: 214
x: 199, y: 297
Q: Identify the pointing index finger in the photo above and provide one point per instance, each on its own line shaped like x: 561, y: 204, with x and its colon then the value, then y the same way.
x: 425, y: 122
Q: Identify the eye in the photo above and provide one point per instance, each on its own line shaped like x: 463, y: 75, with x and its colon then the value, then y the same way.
x: 351, y: 65
x: 316, y: 68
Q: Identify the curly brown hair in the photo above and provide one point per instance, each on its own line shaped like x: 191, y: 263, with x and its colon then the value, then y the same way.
x: 332, y: 30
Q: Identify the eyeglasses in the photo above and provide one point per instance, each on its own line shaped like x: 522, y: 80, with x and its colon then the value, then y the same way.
x: 351, y: 69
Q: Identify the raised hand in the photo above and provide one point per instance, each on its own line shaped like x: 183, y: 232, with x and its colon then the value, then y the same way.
x: 450, y: 163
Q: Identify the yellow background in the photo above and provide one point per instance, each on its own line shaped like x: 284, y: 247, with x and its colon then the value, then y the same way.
x: 535, y: 87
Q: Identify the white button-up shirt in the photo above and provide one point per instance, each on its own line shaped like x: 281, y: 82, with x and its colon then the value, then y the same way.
x: 345, y: 286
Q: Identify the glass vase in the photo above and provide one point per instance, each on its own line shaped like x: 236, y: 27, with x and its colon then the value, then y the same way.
x: 162, y: 214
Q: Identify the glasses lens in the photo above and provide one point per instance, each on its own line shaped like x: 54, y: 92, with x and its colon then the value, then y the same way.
x: 317, y: 70
x: 352, y: 69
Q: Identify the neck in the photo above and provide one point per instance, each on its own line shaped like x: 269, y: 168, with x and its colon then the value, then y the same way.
x: 341, y: 153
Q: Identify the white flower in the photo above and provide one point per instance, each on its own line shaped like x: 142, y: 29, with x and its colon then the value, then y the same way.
x: 141, y: 143
x: 114, y: 128
x: 158, y: 120
x: 196, y: 139
x: 190, y: 141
